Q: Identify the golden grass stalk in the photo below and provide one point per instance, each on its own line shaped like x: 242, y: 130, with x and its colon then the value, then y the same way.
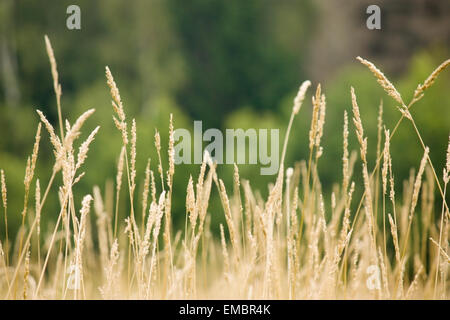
x: 109, y: 291
x: 84, y: 148
x: 56, y: 84
x: 382, y: 80
x: 317, y: 102
x: 418, y: 183
x: 5, y: 211
x: 117, y: 106
x: 119, y: 186
x: 368, y: 207
x: 158, y: 150
x: 447, y: 164
x: 80, y: 237
x: 419, y: 92
x: 133, y: 158
x: 441, y: 250
x: 345, y: 159
x: 145, y: 191
x: 38, y: 218
x: 26, y: 274
x: 225, y: 254
x: 298, y: 101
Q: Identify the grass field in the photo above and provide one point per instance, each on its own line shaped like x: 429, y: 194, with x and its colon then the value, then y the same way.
x: 391, y: 243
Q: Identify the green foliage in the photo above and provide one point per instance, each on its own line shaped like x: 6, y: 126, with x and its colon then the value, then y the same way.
x: 235, y: 55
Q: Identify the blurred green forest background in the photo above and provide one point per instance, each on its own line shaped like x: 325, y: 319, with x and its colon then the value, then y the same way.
x: 231, y: 64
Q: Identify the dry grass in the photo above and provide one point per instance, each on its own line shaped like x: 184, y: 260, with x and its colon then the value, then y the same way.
x: 288, y: 246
